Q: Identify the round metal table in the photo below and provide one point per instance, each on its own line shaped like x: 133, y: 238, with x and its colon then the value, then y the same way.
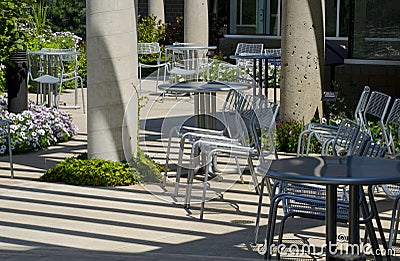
x: 204, y: 97
x: 334, y: 171
x: 258, y: 77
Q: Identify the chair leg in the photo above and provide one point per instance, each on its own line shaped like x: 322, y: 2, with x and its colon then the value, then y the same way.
x: 258, y: 217
x: 203, y: 199
x: 280, y: 237
x: 271, y: 225
x: 394, y: 222
x: 375, y: 214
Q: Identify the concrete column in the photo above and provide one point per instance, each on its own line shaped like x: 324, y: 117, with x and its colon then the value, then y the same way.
x: 303, y: 47
x: 196, y: 21
x: 156, y: 7
x: 111, y: 74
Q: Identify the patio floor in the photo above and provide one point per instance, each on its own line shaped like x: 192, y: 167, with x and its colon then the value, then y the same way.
x: 43, y: 221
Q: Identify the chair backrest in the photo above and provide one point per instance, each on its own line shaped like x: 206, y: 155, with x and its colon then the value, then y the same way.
x: 264, y: 125
x: 275, y: 52
x: 362, y: 102
x: 393, y: 122
x: 375, y: 109
x: 345, y: 138
x: 67, y: 62
x: 149, y: 49
x: 249, y: 48
x: 35, y: 66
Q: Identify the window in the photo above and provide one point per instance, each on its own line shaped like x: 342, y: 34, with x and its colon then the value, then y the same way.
x: 376, y: 30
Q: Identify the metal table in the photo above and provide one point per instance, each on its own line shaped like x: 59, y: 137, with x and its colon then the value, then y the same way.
x: 204, y: 97
x: 258, y: 61
x: 47, y: 56
x: 187, y: 58
x: 334, y: 171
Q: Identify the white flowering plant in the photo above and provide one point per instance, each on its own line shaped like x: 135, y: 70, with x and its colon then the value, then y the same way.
x: 36, y: 128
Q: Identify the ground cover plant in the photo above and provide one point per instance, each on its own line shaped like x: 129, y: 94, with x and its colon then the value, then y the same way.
x: 36, y: 128
x: 99, y: 172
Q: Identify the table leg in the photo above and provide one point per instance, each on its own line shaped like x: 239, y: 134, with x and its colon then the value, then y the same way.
x: 196, y: 110
x: 214, y: 110
x: 260, y: 80
x: 330, y: 219
x: 354, y: 215
x: 255, y: 77
x: 266, y: 78
x: 208, y: 116
x: 202, y: 110
x: 274, y: 83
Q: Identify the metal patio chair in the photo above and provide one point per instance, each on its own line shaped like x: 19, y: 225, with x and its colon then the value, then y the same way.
x: 232, y: 106
x: 67, y: 70
x: 392, y: 125
x: 148, y: 49
x: 325, y: 133
x: 308, y: 201
x: 244, y: 66
x: 254, y: 146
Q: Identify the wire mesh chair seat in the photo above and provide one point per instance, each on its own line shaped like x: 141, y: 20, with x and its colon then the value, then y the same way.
x: 263, y: 119
x: 148, y: 49
x: 325, y: 133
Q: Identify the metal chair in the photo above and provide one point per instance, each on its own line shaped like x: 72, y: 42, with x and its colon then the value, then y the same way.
x: 323, y: 132
x: 242, y: 66
x: 38, y: 66
x: 231, y: 107
x: 262, y: 124
x: 189, y: 63
x: 392, y: 123
x: 308, y: 201
x: 66, y: 69
x: 147, y: 49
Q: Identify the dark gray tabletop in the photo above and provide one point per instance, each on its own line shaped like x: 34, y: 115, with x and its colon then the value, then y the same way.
x: 201, y: 87
x: 255, y: 56
x: 336, y: 170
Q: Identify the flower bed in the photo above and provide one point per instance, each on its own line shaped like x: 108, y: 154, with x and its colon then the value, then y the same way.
x: 36, y: 128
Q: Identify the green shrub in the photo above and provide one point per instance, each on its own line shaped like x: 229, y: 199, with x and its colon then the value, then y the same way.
x: 98, y: 172
x: 95, y: 172
x: 287, y: 135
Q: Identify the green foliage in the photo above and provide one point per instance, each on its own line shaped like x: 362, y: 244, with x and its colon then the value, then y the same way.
x: 67, y: 15
x: 148, y: 170
x: 174, y: 32
x: 95, y: 172
x: 38, y: 20
x: 98, y: 172
x: 150, y: 30
x: 13, y: 17
x: 287, y: 134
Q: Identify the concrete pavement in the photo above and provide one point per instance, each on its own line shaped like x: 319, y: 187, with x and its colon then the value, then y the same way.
x: 45, y: 221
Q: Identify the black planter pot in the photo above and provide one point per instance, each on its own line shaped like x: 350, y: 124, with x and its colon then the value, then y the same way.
x: 16, y: 82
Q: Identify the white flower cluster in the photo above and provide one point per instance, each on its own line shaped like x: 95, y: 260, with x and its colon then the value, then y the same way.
x: 36, y: 128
